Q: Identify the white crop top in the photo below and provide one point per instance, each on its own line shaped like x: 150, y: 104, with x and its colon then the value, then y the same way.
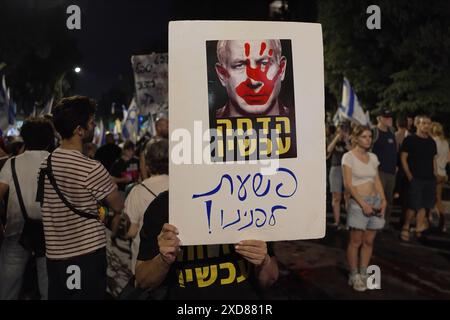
x: 361, y: 172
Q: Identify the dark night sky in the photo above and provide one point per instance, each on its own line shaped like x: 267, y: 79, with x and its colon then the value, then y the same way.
x: 114, y: 30
x: 111, y: 32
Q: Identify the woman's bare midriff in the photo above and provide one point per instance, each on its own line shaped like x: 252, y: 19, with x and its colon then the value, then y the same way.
x: 366, y: 189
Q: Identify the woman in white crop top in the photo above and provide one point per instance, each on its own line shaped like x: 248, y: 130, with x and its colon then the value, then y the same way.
x: 365, y: 212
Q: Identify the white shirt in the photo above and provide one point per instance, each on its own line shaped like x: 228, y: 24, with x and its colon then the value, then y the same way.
x: 442, y: 156
x: 137, y: 202
x: 361, y: 172
x: 27, y: 170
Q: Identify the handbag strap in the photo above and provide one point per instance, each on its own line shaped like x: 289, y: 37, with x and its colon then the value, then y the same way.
x: 17, y: 186
x: 51, y: 177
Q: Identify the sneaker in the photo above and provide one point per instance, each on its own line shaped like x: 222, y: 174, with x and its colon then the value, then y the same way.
x: 357, y: 282
x: 364, y: 278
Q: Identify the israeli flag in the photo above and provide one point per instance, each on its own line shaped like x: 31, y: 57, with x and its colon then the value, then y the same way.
x: 48, y: 107
x: 3, y: 106
x: 99, y: 134
x: 350, y: 107
x: 130, y: 123
x: 12, y: 111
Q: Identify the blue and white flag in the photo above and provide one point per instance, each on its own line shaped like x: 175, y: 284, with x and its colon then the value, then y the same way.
x: 99, y: 134
x: 350, y: 107
x: 338, y: 117
x: 48, y: 107
x: 12, y: 111
x: 130, y: 122
x: 4, y: 105
x: 12, y: 127
x: 369, y: 123
x: 125, y: 112
x: 4, y: 88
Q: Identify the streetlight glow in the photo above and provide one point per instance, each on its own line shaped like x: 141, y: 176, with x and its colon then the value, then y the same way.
x: 77, y: 69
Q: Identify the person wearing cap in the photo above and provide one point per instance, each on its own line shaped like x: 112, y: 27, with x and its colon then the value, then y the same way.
x: 384, y: 146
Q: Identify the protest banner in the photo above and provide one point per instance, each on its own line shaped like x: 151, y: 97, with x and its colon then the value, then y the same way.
x: 247, y: 131
x: 150, y: 77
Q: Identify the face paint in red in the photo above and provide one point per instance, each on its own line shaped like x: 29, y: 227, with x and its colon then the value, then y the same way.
x: 252, y: 93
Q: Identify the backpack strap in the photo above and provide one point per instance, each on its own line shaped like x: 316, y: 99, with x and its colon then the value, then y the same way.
x: 18, y: 191
x: 375, y: 135
x: 148, y: 189
x: 48, y: 172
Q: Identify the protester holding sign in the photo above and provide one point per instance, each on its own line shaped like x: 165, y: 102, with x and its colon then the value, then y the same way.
x: 200, y: 272
x: 367, y: 205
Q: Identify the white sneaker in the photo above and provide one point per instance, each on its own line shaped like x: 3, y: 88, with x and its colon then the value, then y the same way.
x: 357, y: 282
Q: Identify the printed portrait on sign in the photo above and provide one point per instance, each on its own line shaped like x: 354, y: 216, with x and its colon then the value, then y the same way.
x: 251, y: 94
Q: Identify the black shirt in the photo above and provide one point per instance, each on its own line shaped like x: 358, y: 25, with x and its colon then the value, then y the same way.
x: 108, y: 154
x: 421, y: 152
x: 338, y: 153
x: 122, y: 169
x: 201, y: 272
x: 385, y: 149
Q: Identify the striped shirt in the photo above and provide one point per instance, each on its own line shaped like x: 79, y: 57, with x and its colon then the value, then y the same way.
x: 83, y: 182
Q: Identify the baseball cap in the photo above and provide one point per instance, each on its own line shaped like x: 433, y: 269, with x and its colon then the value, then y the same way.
x: 386, y: 113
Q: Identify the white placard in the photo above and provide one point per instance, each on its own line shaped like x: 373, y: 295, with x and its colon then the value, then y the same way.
x: 150, y: 78
x: 263, y: 76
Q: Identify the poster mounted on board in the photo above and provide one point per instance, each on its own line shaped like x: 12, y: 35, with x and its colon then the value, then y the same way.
x: 247, y: 149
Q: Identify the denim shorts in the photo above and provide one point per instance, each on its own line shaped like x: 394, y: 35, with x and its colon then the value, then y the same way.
x: 356, y: 218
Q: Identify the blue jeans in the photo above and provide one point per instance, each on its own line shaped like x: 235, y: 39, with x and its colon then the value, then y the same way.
x: 13, y: 260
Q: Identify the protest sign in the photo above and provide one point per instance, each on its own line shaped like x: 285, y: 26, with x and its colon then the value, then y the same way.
x: 247, y: 131
x: 150, y: 77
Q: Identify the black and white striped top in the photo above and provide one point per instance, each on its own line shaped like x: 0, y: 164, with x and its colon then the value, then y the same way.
x: 83, y: 182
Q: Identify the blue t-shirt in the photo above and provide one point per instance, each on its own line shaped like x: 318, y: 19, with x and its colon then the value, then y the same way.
x: 385, y: 148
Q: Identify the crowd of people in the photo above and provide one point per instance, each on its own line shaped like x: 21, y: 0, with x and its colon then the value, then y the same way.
x: 59, y: 192
x: 370, y: 167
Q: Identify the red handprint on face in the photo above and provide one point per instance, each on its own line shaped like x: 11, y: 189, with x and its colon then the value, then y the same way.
x: 258, y: 88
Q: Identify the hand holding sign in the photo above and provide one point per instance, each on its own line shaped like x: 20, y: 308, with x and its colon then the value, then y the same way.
x: 168, y: 243
x: 254, y: 251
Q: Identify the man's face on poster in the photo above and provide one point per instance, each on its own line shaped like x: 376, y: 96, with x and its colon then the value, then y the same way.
x: 252, y: 72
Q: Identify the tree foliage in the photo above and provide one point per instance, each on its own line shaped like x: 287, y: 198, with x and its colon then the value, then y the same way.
x: 403, y: 66
x: 38, y: 50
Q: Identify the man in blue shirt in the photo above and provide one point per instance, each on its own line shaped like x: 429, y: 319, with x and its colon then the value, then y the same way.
x: 385, y: 147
